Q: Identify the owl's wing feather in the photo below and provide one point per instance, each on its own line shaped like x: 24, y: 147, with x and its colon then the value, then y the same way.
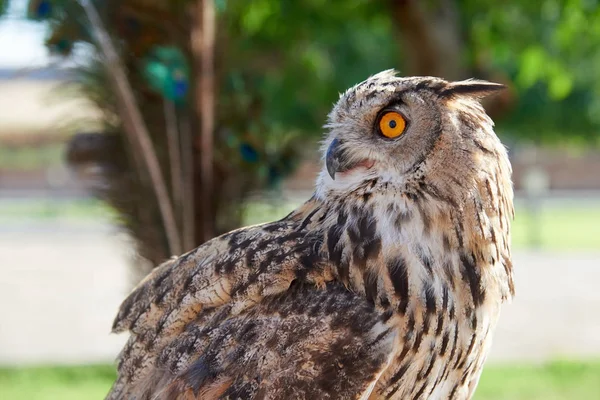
x: 304, y: 343
x: 242, y: 266
x: 227, y: 276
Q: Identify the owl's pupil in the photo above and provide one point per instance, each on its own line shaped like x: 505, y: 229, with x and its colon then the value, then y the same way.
x: 392, y: 124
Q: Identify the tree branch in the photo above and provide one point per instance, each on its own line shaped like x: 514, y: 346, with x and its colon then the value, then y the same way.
x: 203, y: 43
x: 174, y: 145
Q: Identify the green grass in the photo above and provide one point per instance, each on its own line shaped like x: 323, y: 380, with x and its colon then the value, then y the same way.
x: 23, y: 210
x: 553, y: 381
x: 564, y: 228
x: 560, y: 228
x: 56, y: 383
x: 32, y: 158
x: 257, y: 212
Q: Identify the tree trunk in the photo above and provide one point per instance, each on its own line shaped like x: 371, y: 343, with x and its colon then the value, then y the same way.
x: 429, y: 34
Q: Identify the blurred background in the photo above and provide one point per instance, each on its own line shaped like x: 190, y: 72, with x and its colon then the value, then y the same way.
x: 132, y: 130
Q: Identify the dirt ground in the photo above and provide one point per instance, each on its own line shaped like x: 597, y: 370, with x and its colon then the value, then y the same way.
x: 60, y: 286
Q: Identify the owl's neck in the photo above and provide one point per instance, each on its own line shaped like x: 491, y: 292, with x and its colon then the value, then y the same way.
x: 393, y: 245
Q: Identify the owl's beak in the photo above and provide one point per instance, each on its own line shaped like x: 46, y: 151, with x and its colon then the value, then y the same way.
x: 336, y: 158
x: 332, y: 158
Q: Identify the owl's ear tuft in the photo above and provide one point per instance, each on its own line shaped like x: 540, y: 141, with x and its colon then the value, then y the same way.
x: 471, y: 88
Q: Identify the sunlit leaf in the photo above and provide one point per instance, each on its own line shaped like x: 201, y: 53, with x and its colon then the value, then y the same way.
x: 532, y: 67
x: 560, y: 84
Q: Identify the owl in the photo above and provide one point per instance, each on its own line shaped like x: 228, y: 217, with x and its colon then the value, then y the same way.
x: 386, y: 284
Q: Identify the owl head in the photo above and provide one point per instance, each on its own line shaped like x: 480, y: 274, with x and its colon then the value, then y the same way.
x: 402, y: 132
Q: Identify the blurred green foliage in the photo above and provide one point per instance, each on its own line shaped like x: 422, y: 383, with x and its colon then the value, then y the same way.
x: 302, y: 53
x: 551, y: 51
x: 296, y: 56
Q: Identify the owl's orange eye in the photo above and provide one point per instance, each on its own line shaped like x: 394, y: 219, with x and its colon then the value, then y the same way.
x: 392, y: 124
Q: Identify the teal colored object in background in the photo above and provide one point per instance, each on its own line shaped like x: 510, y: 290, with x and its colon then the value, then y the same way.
x: 167, y: 72
x: 39, y: 10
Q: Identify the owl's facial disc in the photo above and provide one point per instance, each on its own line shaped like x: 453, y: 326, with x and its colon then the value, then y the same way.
x: 338, y: 160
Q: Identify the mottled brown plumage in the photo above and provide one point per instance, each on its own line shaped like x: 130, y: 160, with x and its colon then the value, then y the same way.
x: 387, y: 283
